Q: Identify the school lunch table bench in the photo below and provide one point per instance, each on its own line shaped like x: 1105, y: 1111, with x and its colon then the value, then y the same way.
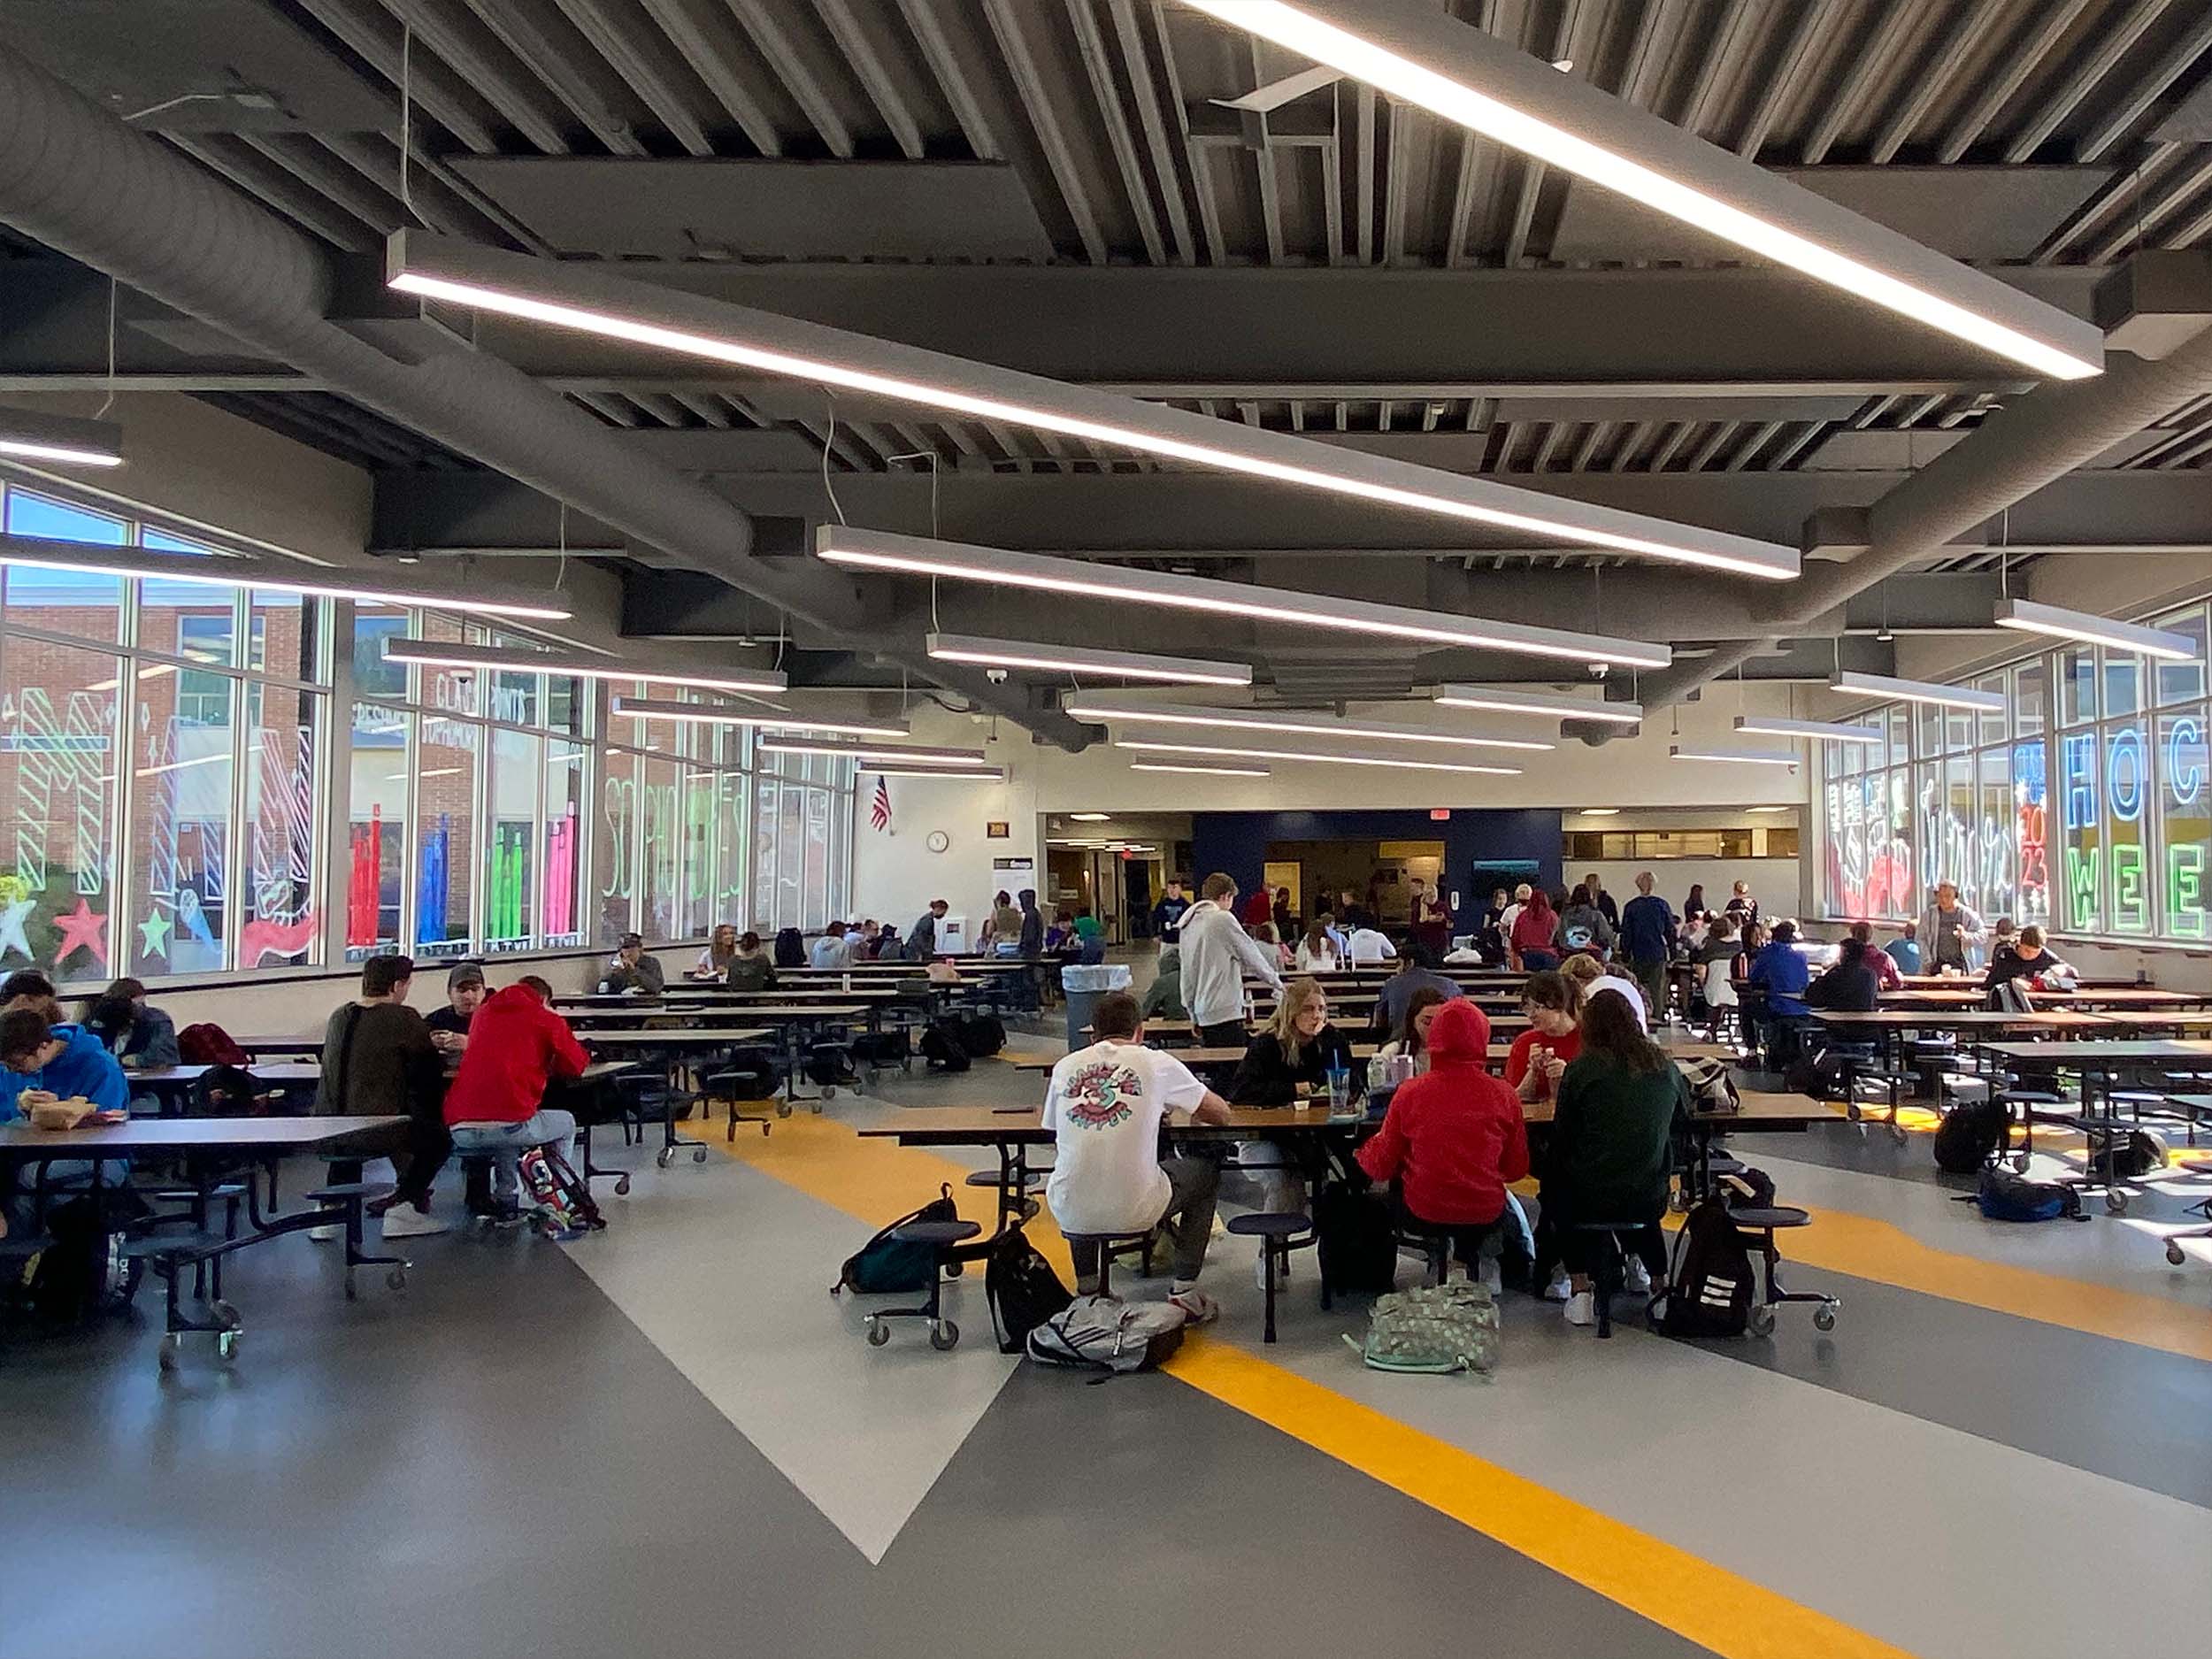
x: 2161, y: 1067
x: 210, y: 1151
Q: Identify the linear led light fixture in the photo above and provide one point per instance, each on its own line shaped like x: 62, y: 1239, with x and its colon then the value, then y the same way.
x: 724, y: 714
x: 1416, y: 53
x: 508, y: 659
x: 932, y: 769
x: 1306, y: 755
x: 1082, y: 659
x: 1834, y: 731
x: 137, y: 564
x: 1538, y: 703
x: 2082, y: 628
x: 1917, y: 691
x: 924, y: 555
x: 1205, y: 772
x: 600, y: 301
x: 1747, y: 756
x: 1769, y: 809
x: 780, y: 745
x: 1092, y: 818
x: 68, y: 439
x: 1254, y: 721
x: 1598, y: 812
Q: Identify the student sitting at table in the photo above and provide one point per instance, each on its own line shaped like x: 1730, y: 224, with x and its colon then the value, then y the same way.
x: 2027, y: 958
x: 1621, y: 1102
x: 28, y: 988
x: 1316, y: 952
x: 1781, y: 970
x: 1411, y: 1039
x: 829, y: 950
x: 379, y: 1060
x: 1368, y: 945
x: 1850, y: 986
x: 464, y: 996
x: 1886, y: 975
x: 632, y: 969
x: 1295, y: 1052
x: 1540, y: 1056
x: 1104, y: 1106
x: 61, y: 1061
x: 1591, y: 976
x: 1418, y: 971
x: 140, y: 1036
x: 497, y: 1101
x: 714, y: 961
x: 750, y: 967
x: 1904, y: 950
x: 1452, y: 1140
x: 1164, y: 997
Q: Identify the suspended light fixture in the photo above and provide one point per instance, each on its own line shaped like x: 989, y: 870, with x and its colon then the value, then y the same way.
x: 1834, y: 731
x: 885, y: 768
x: 2081, y: 628
x: 1083, y: 659
x: 1206, y: 771
x: 779, y: 743
x: 599, y: 300
x: 1598, y: 812
x: 1747, y: 756
x: 138, y: 564
x: 1418, y: 54
x: 505, y: 659
x: 923, y: 556
x: 1851, y: 680
x: 1308, y: 755
x: 725, y: 714
x: 1092, y: 818
x: 1089, y: 708
x: 1564, y: 707
x: 65, y: 440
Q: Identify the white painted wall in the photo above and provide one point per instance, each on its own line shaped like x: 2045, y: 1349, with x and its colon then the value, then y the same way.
x: 895, y: 875
x: 1774, y: 880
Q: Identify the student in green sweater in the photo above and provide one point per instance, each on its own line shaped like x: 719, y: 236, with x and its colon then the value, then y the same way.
x: 1621, y: 1102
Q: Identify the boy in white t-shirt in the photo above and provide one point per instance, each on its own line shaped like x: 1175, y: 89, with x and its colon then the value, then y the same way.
x: 1104, y: 1106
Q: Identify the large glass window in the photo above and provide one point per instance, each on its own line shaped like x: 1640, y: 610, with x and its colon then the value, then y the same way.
x: 376, y: 871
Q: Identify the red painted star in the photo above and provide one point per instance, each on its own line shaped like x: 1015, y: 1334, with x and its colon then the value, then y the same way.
x: 82, y: 930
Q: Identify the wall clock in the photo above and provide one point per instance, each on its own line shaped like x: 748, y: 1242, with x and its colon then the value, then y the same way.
x: 939, y: 841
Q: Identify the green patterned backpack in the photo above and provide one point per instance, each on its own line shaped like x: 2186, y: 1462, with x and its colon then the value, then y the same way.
x: 1433, y: 1328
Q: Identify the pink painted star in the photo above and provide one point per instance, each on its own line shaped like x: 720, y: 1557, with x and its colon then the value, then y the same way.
x: 82, y: 930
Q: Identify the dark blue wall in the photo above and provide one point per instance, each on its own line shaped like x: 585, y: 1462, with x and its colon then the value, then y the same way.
x: 1238, y: 841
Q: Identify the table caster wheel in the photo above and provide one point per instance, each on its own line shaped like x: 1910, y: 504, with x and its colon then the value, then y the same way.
x: 1851, y: 1114
x: 2116, y: 1203
x: 953, y: 1269
x: 165, y: 1357
x: 944, y: 1336
x: 879, y: 1333
x: 698, y: 1154
x: 621, y: 1186
x: 227, y: 1345
x: 1763, y: 1322
x: 1824, y: 1316
x: 353, y: 1291
x: 2019, y: 1163
x: 228, y: 1314
x: 1897, y: 1133
x: 763, y: 1129
x: 829, y: 1091
x: 664, y: 1156
x: 396, y: 1279
x: 2175, y: 1255
x: 783, y: 1110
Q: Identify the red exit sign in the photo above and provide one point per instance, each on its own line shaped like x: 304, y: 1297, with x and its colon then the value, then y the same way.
x: 1439, y: 814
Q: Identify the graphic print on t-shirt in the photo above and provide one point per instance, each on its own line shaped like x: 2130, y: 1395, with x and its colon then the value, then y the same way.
x: 1102, y: 1095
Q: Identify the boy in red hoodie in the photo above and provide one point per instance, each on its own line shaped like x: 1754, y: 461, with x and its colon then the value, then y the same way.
x: 517, y: 1045
x: 1453, y: 1139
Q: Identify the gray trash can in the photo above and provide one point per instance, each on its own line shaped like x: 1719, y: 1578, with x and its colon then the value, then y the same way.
x: 1083, y: 986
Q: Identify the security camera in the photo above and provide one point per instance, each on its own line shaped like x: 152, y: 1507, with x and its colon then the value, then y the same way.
x: 1598, y: 670
x: 996, y: 676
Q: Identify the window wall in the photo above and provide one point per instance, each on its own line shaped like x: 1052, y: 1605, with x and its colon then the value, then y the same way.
x: 2081, y: 806
x: 169, y: 767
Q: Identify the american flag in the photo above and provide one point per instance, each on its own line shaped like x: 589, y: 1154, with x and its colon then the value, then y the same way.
x: 879, y: 809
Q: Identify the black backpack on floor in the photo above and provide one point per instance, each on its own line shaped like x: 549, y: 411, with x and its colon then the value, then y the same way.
x: 883, y: 1049
x: 1710, y: 1285
x: 830, y: 1065
x: 1023, y: 1289
x: 942, y: 1049
x: 981, y: 1034
x: 1969, y: 1135
x: 885, y: 1264
x: 1357, y: 1245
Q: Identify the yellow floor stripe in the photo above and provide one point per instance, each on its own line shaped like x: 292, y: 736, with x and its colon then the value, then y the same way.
x: 1867, y: 1248
x: 1708, y: 1605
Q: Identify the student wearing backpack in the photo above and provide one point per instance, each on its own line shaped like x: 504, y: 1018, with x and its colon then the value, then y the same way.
x: 1621, y: 1102
x: 1104, y: 1106
x: 1453, y: 1140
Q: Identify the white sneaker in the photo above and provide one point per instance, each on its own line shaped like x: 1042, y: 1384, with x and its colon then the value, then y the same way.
x: 325, y: 1233
x: 1198, y: 1308
x: 1582, y: 1309
x: 1557, y: 1290
x: 1493, y: 1276
x: 405, y: 1221
x: 1639, y: 1280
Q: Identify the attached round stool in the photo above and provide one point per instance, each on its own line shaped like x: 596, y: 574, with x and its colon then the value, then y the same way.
x: 1109, y: 1245
x: 940, y: 1237
x: 1279, y: 1232
x: 1765, y: 1223
x: 1014, y: 1202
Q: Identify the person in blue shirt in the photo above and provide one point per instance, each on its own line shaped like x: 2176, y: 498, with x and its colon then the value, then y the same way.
x: 63, y: 1060
x: 1904, y: 950
x: 1648, y: 941
x: 1781, y: 970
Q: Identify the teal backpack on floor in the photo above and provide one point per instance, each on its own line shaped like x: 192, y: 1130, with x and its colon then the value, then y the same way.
x: 884, y: 1264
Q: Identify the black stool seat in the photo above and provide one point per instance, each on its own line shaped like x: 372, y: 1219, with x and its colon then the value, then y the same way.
x: 352, y: 1189
x: 1772, y: 1215
x: 1725, y: 1165
x: 1267, y: 1224
x: 154, y: 1245
x: 935, y: 1231
x: 1031, y: 1180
